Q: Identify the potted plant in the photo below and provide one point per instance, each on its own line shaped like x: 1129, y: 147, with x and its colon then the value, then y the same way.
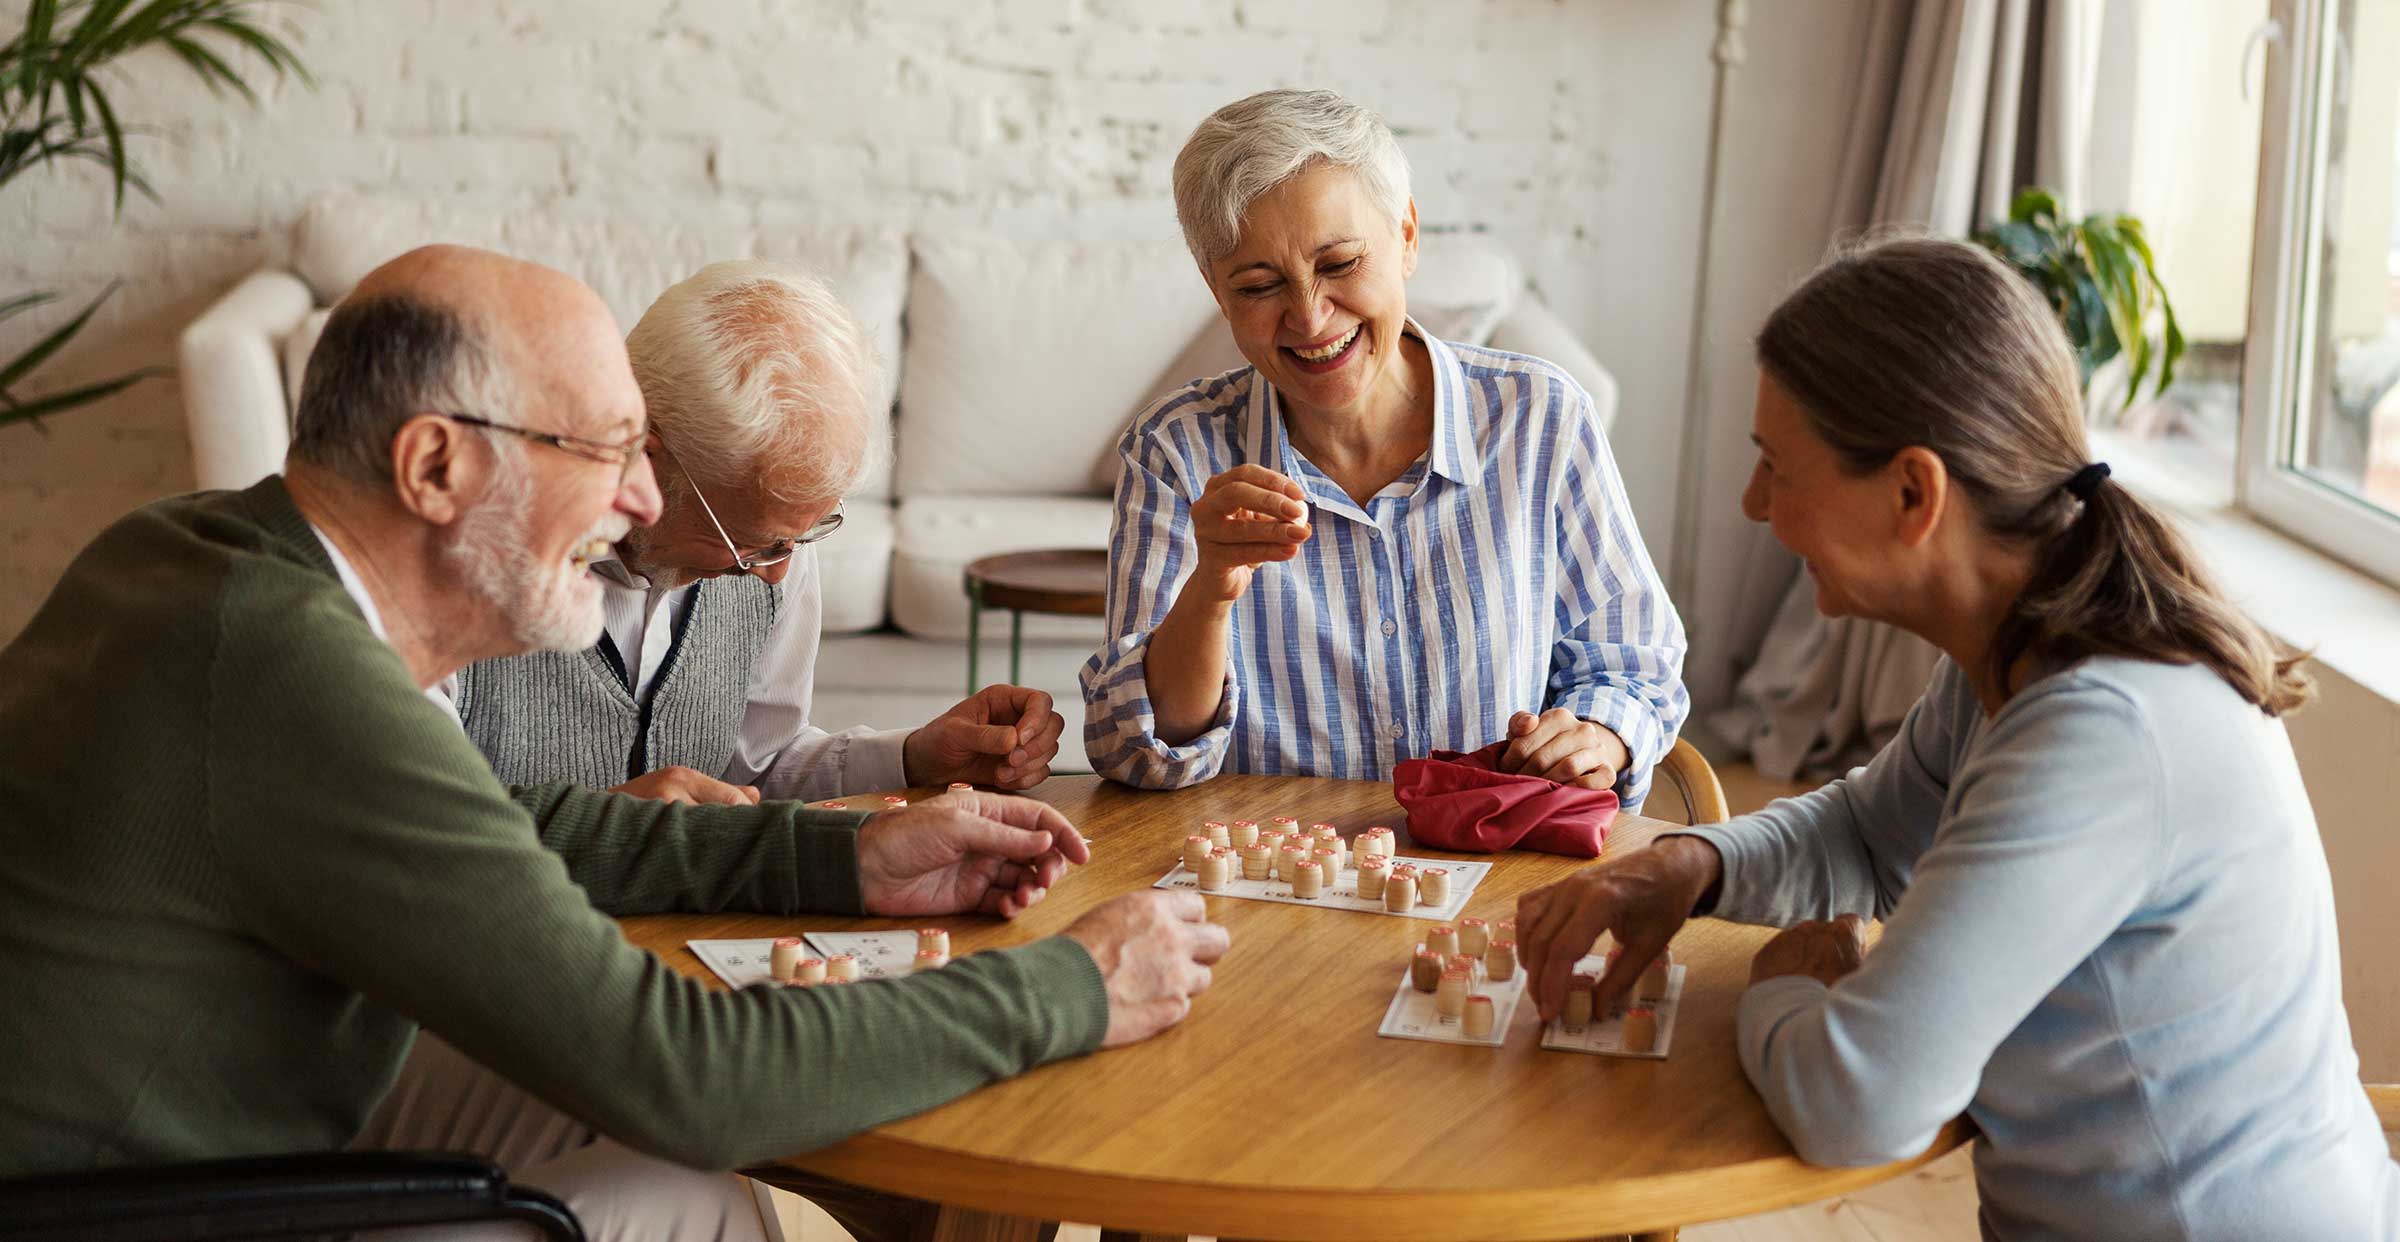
x: 54, y: 105
x: 2098, y: 274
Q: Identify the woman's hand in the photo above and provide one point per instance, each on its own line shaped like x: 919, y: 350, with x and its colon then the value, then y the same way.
x: 1822, y: 951
x: 1642, y: 899
x: 1559, y: 746
x: 1245, y: 517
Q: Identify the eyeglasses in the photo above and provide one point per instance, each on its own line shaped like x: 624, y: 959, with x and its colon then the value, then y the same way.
x: 774, y: 553
x: 624, y: 456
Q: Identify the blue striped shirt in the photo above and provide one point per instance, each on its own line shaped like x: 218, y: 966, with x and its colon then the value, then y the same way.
x: 1502, y: 572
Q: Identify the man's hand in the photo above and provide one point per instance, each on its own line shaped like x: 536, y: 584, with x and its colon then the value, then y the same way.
x: 1245, y: 517
x: 1822, y: 951
x: 691, y: 785
x: 1558, y: 746
x: 1000, y: 735
x: 1642, y: 898
x: 964, y: 853
x: 1154, y: 950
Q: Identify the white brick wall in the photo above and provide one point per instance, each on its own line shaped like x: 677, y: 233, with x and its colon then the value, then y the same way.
x: 1034, y: 117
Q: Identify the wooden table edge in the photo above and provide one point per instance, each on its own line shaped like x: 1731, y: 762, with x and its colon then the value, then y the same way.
x: 1501, y: 1214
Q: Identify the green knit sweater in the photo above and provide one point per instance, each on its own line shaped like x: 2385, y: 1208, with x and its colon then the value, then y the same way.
x: 242, y: 859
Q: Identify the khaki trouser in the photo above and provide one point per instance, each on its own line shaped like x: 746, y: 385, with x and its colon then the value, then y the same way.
x: 446, y: 1102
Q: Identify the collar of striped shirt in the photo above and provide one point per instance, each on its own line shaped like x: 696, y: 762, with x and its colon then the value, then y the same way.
x: 1453, y: 454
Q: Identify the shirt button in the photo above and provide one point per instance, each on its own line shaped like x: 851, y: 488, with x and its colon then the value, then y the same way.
x: 1396, y: 731
x: 1391, y: 627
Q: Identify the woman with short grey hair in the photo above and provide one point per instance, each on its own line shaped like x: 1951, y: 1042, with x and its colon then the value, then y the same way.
x: 1367, y: 544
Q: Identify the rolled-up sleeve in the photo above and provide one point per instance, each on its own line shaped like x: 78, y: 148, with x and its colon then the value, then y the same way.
x: 1149, y: 556
x: 1618, y: 661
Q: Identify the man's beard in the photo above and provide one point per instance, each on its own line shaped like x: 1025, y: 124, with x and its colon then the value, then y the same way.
x: 548, y: 607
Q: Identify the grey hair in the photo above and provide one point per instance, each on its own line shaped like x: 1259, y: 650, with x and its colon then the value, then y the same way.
x: 757, y: 376
x: 1249, y: 147
x: 380, y: 362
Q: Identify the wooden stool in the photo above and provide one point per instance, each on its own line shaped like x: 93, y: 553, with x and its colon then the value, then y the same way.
x: 1070, y: 582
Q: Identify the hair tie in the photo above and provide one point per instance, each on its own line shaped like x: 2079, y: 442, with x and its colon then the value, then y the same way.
x: 2087, y: 481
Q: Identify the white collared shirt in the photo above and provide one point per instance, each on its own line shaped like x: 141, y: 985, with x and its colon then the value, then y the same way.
x: 1501, y: 573
x: 357, y: 587
x: 777, y: 749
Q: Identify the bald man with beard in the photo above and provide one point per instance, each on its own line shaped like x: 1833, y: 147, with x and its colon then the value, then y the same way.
x: 259, y: 894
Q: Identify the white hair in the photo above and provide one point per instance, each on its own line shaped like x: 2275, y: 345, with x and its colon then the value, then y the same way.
x: 1247, y: 148
x: 757, y: 376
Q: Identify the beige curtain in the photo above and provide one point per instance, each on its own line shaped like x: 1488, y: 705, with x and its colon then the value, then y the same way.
x: 1963, y: 103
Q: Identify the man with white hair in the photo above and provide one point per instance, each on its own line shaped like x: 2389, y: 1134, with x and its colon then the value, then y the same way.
x: 759, y: 386
x: 257, y: 895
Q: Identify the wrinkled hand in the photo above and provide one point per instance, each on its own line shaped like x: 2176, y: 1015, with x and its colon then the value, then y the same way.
x: 1000, y: 735
x: 964, y: 853
x: 1642, y: 899
x: 1559, y: 746
x: 1824, y: 951
x: 680, y: 784
x: 1154, y: 950
x: 1244, y: 518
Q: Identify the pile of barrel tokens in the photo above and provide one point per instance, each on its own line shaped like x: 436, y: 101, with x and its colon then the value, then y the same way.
x: 789, y: 962
x: 1455, y: 962
x: 1639, y: 1031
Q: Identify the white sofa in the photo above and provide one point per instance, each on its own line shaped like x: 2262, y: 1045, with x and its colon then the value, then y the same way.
x: 1015, y: 366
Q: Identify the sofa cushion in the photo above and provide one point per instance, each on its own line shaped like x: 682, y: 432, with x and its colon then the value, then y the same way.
x: 856, y: 566
x: 295, y: 349
x: 627, y: 258
x: 1024, y: 358
x: 937, y: 535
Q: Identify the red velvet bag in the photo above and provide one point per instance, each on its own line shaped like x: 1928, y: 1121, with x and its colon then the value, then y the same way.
x: 1463, y: 802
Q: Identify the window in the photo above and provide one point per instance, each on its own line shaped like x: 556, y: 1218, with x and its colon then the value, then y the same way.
x: 2320, y: 410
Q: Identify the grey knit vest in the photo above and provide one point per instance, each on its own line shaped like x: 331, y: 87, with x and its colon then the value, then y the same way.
x: 571, y: 716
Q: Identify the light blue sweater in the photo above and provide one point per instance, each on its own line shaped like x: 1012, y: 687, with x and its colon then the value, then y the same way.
x: 2108, y: 938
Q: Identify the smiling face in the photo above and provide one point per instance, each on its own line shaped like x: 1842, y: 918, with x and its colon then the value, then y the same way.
x: 1838, y: 522
x: 1315, y: 290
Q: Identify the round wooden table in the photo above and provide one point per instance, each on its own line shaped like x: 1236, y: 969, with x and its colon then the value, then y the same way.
x: 1275, y: 1111
x: 1069, y: 582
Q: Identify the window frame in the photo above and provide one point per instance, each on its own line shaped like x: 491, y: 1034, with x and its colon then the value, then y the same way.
x: 2279, y: 351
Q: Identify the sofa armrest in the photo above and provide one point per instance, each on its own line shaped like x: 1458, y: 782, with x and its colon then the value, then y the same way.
x: 276, y: 1196
x: 233, y: 400
x: 1533, y: 328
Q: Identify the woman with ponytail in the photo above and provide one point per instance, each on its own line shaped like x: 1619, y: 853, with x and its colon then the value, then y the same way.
x: 2108, y: 929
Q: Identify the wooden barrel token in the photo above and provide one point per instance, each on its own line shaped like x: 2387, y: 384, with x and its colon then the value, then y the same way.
x: 935, y: 938
x: 1641, y: 1029
x: 1474, y: 936
x: 784, y: 958
x: 1433, y: 886
x: 1450, y: 995
x: 1500, y: 960
x: 1425, y: 970
x: 1479, y: 1017
x: 1370, y: 876
x: 1653, y: 987
x: 1308, y: 881
x: 1578, y: 1016
x: 1400, y: 894
x: 1442, y: 939
x: 842, y: 968
x: 808, y: 970
x: 929, y: 959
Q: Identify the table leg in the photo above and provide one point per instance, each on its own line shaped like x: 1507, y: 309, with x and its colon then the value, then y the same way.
x: 1016, y: 647
x: 957, y: 1224
x: 974, y: 632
